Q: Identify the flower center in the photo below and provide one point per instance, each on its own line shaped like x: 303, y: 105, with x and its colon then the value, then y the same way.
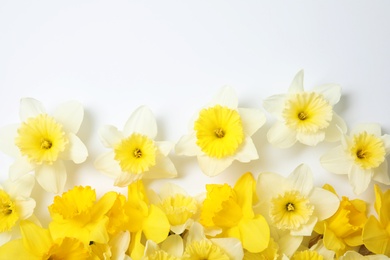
x: 290, y: 210
x: 204, y: 250
x: 307, y: 112
x: 368, y: 150
x: 41, y: 139
x: 219, y: 131
x: 8, y: 214
x: 136, y: 154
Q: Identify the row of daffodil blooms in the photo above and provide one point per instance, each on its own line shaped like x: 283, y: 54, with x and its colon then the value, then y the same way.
x: 255, y: 219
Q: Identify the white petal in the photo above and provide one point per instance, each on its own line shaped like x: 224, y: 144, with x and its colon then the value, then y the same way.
x: 297, y: 83
x: 141, y: 121
x: 212, y: 166
x: 231, y: 246
x: 225, y: 97
x: 22, y: 186
x: 76, y: 150
x: 359, y: 179
x: 173, y: 245
x: 196, y: 233
x: 275, y: 105
x: 311, y: 139
x: 5, y: 237
x: 336, y: 161
x: 171, y: 189
x: 25, y: 207
x: 374, y: 129
x: 281, y: 136
x: 52, y: 178
x: 381, y: 174
x: 337, y: 127
x: 108, y: 165
x: 252, y: 120
x: 386, y: 142
x: 150, y: 248
x: 70, y: 115
x: 164, y: 147
x: 325, y: 203
x: 306, y: 229
x: 125, y: 179
x: 301, y: 179
x: 289, y: 244
x: 20, y: 167
x: 247, y: 151
x: 7, y: 140
x: 30, y: 107
x: 110, y: 136
x: 187, y: 146
x: 265, y: 186
x: 331, y: 92
x: 179, y: 229
x: 119, y: 245
x: 164, y: 168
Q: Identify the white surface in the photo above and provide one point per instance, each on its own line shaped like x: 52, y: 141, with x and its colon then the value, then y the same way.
x: 173, y: 56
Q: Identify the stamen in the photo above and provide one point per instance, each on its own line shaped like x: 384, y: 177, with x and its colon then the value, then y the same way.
x: 6, y: 209
x: 219, y: 133
x: 302, y: 116
x: 290, y: 207
x: 361, y: 154
x: 137, y: 153
x: 46, y: 144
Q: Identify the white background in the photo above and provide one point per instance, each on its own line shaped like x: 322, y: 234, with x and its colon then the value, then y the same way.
x: 173, y: 56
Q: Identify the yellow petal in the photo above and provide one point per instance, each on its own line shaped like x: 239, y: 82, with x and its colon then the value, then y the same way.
x: 245, y: 189
x: 36, y: 240
x: 14, y: 250
x: 375, y: 237
x: 332, y: 242
x: 255, y: 234
x: 156, y: 225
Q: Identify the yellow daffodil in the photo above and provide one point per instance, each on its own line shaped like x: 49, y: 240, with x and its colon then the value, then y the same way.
x: 170, y: 249
x: 376, y: 235
x: 15, y: 205
x: 305, y: 116
x: 361, y: 155
x: 222, y: 133
x: 178, y: 206
x: 37, y: 243
x: 77, y: 214
x: 293, y: 205
x: 134, y: 153
x: 42, y: 142
x: 343, y: 231
x: 198, y: 246
x: 270, y: 253
x: 230, y: 210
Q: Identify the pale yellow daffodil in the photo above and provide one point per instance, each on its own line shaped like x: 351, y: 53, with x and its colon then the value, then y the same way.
x: 170, y: 249
x: 42, y: 142
x: 134, y: 153
x: 221, y: 134
x: 305, y: 116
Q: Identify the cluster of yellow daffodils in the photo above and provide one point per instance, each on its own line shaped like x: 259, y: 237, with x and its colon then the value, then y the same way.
x: 264, y: 215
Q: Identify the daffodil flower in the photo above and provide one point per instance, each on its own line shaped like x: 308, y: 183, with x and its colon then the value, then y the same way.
x: 304, y: 116
x: 230, y: 210
x: 42, y: 142
x: 170, y: 249
x: 15, y: 205
x: 292, y: 205
x: 222, y: 133
x: 361, y: 155
x: 134, y: 153
x: 198, y: 246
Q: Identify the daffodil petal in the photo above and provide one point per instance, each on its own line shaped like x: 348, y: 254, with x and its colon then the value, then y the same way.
x: 173, y: 245
x: 247, y: 152
x: 150, y: 248
x: 108, y: 165
x: 76, y: 150
x: 336, y: 128
x: 301, y: 179
x: 231, y: 246
x: 386, y: 142
x: 125, y: 179
x: 325, y: 203
x: 156, y: 225
x: 20, y: 187
x: 275, y: 105
x: 226, y: 97
x: 110, y: 136
x: 15, y: 250
x: 255, y: 234
x: 381, y: 173
x: 297, y: 83
x: 164, y: 147
x: 164, y: 168
x: 336, y: 161
x: 288, y: 244
x: 25, y: 207
x: 212, y: 166
x: 244, y: 189
x: 119, y: 245
x: 187, y: 146
x: 36, y: 240
x: 52, y: 178
x: 168, y: 189
x: 359, y: 179
x: 30, y: 107
x: 332, y: 241
x: 374, y: 129
x: 20, y: 167
x: 264, y: 188
x: 331, y: 92
x: 7, y: 140
x: 375, y: 237
x: 281, y: 136
x: 251, y: 119
x: 311, y: 139
x: 4, y: 238
x: 141, y: 121
x: 306, y: 229
x: 70, y: 114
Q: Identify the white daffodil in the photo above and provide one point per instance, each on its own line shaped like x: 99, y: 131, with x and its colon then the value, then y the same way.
x: 170, y: 249
x: 198, y: 246
x: 15, y: 205
x: 179, y: 207
x: 222, y: 133
x: 293, y: 206
x: 361, y: 155
x: 305, y: 116
x: 134, y: 153
x: 42, y: 142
